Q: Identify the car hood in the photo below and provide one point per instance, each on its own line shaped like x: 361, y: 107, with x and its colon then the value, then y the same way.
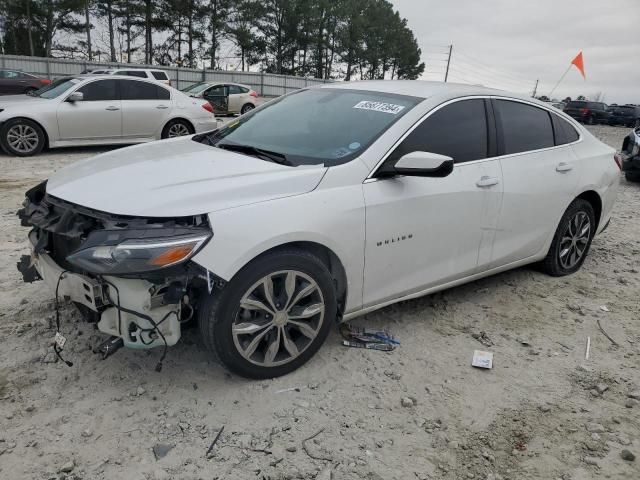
x: 177, y: 177
x: 7, y: 101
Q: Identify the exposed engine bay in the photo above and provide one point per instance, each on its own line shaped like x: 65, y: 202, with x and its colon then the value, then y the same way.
x: 131, y: 275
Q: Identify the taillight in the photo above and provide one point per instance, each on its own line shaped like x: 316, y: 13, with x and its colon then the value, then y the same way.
x: 618, y: 159
x: 584, y: 111
x: 253, y: 93
x: 45, y: 81
x: 208, y: 107
x: 169, y: 82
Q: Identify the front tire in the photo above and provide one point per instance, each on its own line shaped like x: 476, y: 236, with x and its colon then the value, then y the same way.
x: 572, y: 240
x: 177, y: 128
x: 22, y: 137
x: 272, y: 317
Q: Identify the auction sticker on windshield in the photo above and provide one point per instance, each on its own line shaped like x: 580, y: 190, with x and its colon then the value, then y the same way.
x: 379, y: 107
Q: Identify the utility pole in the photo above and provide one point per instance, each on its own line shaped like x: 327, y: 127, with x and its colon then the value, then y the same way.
x: 535, y: 89
x: 446, y: 74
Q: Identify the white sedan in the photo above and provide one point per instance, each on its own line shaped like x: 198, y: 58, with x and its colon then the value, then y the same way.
x: 318, y: 207
x: 90, y: 110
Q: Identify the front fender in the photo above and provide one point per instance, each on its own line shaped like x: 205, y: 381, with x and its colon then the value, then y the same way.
x: 333, y: 218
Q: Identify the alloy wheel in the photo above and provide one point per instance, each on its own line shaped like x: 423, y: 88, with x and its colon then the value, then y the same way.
x: 23, y: 138
x: 178, y: 130
x: 574, y: 240
x: 278, y: 317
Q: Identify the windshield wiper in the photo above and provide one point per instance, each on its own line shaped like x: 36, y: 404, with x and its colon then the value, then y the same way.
x: 274, y: 157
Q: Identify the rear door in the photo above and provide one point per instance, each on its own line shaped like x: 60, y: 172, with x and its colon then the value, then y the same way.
x: 146, y: 108
x: 540, y: 173
x: 97, y: 117
x: 423, y: 231
x: 236, y: 98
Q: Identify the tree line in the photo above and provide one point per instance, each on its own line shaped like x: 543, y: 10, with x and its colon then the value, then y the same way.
x: 347, y: 39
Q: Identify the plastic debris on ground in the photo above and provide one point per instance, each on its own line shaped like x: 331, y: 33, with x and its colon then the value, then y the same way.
x: 482, y: 359
x: 360, y: 337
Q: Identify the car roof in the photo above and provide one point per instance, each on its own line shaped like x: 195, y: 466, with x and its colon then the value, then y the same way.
x: 426, y: 89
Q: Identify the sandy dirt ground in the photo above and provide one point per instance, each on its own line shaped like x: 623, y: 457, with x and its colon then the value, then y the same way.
x: 542, y: 412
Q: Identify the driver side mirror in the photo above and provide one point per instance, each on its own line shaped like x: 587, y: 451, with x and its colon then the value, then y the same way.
x: 419, y: 164
x: 75, y: 97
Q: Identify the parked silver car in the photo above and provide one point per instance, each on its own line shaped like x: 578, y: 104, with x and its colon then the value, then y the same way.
x: 225, y: 97
x: 91, y: 110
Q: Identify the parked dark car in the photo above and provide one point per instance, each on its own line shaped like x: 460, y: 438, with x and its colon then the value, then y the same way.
x: 626, y: 115
x: 630, y: 156
x: 15, y: 82
x: 588, y: 112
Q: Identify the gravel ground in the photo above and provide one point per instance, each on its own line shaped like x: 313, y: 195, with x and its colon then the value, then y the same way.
x: 543, y: 412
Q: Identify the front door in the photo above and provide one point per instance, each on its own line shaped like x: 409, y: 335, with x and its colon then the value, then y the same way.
x: 218, y: 97
x: 98, y: 116
x: 422, y: 232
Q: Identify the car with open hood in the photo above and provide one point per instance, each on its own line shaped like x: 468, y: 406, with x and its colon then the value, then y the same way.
x: 317, y: 207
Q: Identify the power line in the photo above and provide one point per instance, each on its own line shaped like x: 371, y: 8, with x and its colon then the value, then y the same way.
x: 489, y: 67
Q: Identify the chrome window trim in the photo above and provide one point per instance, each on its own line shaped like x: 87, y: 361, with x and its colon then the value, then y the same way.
x: 371, y: 177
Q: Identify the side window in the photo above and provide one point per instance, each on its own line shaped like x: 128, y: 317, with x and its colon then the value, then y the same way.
x: 135, y: 90
x: 159, y: 75
x: 234, y: 90
x: 11, y: 74
x: 564, y: 131
x: 100, y: 90
x: 524, y: 127
x: 458, y: 130
x: 216, y: 91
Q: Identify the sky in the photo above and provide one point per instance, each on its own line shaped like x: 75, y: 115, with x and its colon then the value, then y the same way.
x: 508, y: 44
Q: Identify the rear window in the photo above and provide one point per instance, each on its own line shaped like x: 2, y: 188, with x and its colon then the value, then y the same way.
x: 159, y: 75
x: 577, y: 104
x: 524, y: 127
x: 133, y: 73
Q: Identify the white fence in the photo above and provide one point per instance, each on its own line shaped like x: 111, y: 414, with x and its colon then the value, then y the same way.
x: 266, y: 84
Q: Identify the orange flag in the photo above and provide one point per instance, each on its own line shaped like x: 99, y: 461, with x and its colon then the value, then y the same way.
x: 579, y: 63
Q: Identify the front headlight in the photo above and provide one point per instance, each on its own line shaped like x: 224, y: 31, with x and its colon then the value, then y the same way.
x: 137, y: 255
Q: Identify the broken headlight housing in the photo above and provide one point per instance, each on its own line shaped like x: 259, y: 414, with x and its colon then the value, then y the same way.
x: 128, y: 252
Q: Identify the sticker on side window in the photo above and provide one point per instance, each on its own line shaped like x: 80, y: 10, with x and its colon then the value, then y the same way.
x: 379, y: 107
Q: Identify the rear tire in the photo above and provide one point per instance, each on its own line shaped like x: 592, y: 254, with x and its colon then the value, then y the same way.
x: 590, y: 120
x: 177, y: 128
x: 572, y: 240
x: 247, y: 107
x: 272, y: 317
x: 30, y: 90
x: 22, y: 137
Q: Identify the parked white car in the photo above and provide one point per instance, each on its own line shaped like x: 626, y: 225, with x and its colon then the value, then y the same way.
x: 148, y: 73
x: 226, y: 98
x: 317, y: 207
x: 88, y: 110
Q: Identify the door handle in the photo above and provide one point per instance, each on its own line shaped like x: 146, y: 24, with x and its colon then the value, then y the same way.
x: 486, y: 181
x: 563, y: 167
x: 162, y: 107
x: 112, y: 108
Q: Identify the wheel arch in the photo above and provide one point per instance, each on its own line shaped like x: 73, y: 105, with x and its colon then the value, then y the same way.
x: 327, y: 256
x: 22, y: 117
x: 594, y: 199
x: 184, y: 119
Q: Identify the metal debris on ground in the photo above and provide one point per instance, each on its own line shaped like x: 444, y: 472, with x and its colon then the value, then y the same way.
x: 483, y: 338
x: 215, y: 440
x: 368, y: 338
x: 482, y: 359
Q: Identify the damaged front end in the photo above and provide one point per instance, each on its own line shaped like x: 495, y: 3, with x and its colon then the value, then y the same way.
x: 131, y: 275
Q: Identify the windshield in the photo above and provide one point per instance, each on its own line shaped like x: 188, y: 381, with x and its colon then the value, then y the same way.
x: 326, y: 126
x: 577, y: 104
x: 196, y: 88
x: 56, y: 88
x: 623, y: 109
